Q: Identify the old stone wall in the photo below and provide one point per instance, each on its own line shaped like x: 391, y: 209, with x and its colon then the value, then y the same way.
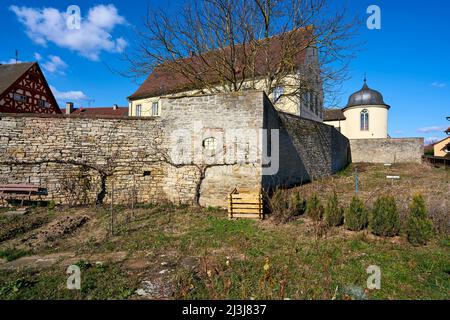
x: 197, y: 151
x: 387, y: 150
x: 308, y: 149
x: 79, y: 158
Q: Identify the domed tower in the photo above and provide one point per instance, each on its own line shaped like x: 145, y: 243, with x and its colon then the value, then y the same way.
x: 366, y: 115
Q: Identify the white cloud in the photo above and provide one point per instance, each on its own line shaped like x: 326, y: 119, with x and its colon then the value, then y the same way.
x: 94, y: 36
x: 37, y: 56
x: 431, y: 140
x: 69, y: 95
x: 54, y: 64
x: 10, y: 61
x: 431, y: 129
x: 438, y: 85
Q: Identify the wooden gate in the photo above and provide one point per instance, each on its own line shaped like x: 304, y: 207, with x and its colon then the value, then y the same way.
x: 245, y: 203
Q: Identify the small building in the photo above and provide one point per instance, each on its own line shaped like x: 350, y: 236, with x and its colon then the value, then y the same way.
x: 442, y: 148
x: 364, y: 117
x: 24, y: 89
x: 114, y: 111
x: 364, y: 121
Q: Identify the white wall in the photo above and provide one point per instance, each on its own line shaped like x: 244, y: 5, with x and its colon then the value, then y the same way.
x: 378, y: 122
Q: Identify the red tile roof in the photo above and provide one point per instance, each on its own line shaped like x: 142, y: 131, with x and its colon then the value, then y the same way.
x: 164, y: 81
x: 333, y: 115
x: 100, y: 111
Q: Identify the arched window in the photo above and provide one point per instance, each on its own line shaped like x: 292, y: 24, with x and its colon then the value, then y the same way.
x: 365, y: 120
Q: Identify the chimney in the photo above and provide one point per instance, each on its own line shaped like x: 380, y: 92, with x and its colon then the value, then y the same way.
x: 115, y: 107
x: 69, y: 107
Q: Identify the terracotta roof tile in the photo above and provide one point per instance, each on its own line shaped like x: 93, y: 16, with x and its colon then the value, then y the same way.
x: 100, y: 111
x: 162, y: 81
x: 333, y: 115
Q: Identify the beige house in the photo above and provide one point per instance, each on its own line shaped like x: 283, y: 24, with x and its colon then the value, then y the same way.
x: 364, y: 117
x: 442, y: 148
x: 147, y: 100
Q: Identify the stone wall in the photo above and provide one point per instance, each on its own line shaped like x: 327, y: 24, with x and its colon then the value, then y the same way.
x: 387, y: 150
x: 80, y: 159
x: 308, y: 149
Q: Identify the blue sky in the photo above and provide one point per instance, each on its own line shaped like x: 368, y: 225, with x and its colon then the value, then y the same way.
x: 407, y: 60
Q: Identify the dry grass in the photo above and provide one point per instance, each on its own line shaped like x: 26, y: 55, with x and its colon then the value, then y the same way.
x: 191, y: 253
x: 432, y: 183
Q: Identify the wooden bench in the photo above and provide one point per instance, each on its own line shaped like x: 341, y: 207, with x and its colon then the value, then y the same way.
x: 20, y: 191
x: 246, y: 203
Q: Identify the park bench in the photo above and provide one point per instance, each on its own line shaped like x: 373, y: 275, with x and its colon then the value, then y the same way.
x: 20, y: 191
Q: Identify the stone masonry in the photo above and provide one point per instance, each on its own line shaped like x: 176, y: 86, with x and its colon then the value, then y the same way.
x: 80, y: 159
x: 387, y: 150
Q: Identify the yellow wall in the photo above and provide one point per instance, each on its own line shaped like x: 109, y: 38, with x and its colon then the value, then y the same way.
x: 286, y: 104
x: 439, y: 148
x: 378, y: 122
x: 351, y: 127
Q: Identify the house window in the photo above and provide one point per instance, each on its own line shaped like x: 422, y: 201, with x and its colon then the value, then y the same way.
x: 155, y: 109
x: 20, y: 97
x: 43, y: 103
x: 209, y: 144
x: 277, y: 93
x: 139, y: 110
x: 365, y: 120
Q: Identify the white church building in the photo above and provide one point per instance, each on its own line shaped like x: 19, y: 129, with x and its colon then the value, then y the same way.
x: 364, y: 121
x: 364, y: 117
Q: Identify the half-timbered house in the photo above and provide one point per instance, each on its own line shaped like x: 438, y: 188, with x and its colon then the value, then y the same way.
x: 24, y: 89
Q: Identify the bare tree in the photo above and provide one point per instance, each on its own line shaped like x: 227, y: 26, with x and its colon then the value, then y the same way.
x: 232, y: 45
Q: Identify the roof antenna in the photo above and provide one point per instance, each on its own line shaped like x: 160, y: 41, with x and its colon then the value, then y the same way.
x: 17, y: 56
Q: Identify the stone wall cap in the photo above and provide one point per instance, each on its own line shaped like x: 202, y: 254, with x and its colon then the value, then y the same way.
x: 75, y: 116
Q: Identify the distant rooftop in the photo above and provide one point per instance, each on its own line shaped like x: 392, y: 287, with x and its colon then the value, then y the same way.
x: 100, y: 111
x: 333, y: 115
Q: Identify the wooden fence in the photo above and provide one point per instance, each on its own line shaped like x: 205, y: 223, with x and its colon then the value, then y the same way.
x: 245, y: 203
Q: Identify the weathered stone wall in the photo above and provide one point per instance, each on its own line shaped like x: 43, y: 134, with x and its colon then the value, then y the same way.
x: 308, y: 149
x: 79, y: 159
x: 387, y: 150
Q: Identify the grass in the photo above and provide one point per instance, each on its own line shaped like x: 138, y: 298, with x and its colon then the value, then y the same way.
x: 240, y: 259
x: 10, y: 254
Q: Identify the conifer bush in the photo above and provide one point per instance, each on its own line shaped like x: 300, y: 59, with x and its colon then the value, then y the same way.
x: 356, y: 217
x: 314, y: 209
x: 384, y: 219
x: 419, y: 228
x: 334, y: 213
x: 297, y: 204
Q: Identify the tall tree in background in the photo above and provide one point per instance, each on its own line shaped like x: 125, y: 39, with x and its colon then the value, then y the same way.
x: 232, y: 45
